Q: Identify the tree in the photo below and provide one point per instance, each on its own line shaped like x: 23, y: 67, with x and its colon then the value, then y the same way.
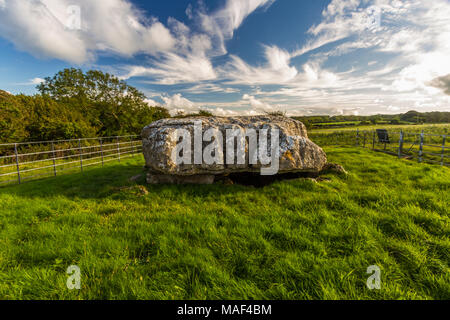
x: 111, y: 105
x: 412, y: 116
x: 13, y: 119
x: 50, y: 120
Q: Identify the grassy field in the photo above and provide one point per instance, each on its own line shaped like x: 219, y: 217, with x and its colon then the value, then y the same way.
x: 432, y: 149
x: 296, y: 239
x: 443, y: 128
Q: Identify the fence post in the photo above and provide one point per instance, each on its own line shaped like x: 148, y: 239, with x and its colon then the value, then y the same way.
x: 54, y: 160
x: 400, y: 145
x: 118, y: 148
x: 364, y: 139
x: 421, y: 147
x: 81, y: 155
x: 357, y: 136
x: 443, y: 150
x: 373, y: 142
x: 133, y: 151
x: 17, y: 163
x: 101, y: 151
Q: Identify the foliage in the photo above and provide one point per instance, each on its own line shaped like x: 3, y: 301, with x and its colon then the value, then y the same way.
x: 112, y: 106
x: 201, y: 113
x: 276, y: 113
x: 50, y: 120
x: 295, y: 239
x: 73, y: 104
x: 12, y: 118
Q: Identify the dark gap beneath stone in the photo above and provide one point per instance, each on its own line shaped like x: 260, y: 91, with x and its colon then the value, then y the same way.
x: 259, y: 181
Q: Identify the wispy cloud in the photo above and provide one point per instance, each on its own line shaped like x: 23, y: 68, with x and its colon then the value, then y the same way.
x: 395, y: 53
x: 222, y: 24
x: 173, y: 68
x: 40, y: 27
x: 191, y: 61
x: 442, y: 83
x: 32, y: 82
x: 276, y: 70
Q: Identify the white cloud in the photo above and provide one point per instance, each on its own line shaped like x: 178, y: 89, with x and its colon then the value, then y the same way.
x: 210, y: 88
x: 415, y: 35
x: 340, y: 20
x: 152, y: 103
x: 37, y: 81
x: 192, y: 60
x: 32, y: 82
x: 177, y: 103
x: 395, y: 65
x: 442, y: 83
x: 248, y: 105
x: 221, y: 24
x: 276, y: 70
x: 174, y: 69
x: 40, y: 28
x: 393, y: 108
x: 256, y: 104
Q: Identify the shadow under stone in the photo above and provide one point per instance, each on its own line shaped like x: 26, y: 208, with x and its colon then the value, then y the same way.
x: 259, y: 181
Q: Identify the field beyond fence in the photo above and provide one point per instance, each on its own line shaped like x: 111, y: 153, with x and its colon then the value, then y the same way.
x: 423, y: 147
x: 21, y: 162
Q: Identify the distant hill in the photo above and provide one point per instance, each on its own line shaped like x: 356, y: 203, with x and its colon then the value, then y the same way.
x: 410, y: 117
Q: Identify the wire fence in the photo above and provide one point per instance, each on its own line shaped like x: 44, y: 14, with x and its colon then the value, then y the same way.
x: 423, y: 147
x: 21, y: 162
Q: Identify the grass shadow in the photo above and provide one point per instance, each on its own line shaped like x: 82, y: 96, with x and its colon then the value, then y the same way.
x: 99, y: 183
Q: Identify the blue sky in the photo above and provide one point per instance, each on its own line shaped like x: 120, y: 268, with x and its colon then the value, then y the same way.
x: 240, y: 56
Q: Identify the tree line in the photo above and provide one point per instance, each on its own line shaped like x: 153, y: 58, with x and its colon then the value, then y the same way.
x: 410, y: 117
x: 73, y: 104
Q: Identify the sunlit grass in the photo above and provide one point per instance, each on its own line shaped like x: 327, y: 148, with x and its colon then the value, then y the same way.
x: 294, y: 239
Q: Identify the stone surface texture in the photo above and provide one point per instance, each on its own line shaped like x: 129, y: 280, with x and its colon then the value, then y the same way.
x: 296, y: 153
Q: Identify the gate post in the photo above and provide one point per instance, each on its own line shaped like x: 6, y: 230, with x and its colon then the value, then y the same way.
x: 400, y: 145
x: 118, y: 148
x: 373, y: 142
x: 81, y: 155
x: 101, y: 151
x: 421, y: 147
x: 17, y: 163
x: 357, y: 137
x: 54, y: 160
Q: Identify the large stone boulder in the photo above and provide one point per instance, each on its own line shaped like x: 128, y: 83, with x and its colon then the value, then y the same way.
x: 197, y: 149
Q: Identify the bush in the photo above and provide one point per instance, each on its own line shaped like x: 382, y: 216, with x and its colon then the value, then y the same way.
x: 74, y: 105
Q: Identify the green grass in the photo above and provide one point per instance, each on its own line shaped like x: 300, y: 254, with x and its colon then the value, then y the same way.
x: 338, y: 123
x: 442, y: 128
x: 294, y: 239
x: 432, y: 149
